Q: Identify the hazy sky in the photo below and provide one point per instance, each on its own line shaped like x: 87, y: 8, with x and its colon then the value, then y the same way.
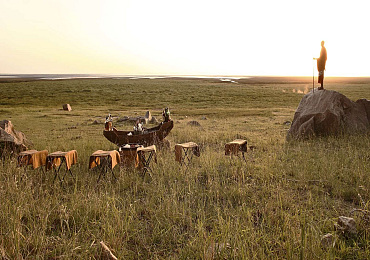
x: 187, y: 37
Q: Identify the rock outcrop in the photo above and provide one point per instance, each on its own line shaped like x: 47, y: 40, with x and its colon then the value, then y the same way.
x: 148, y: 118
x: 327, y: 112
x: 11, y: 140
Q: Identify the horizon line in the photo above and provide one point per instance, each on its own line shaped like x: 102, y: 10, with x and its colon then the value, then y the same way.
x: 174, y: 75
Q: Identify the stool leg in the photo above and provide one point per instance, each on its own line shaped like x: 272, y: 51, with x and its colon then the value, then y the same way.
x: 70, y: 172
x: 19, y: 160
x: 65, y: 163
x: 56, y: 171
x: 100, y: 167
x: 150, y: 171
x: 187, y: 159
x: 244, y: 158
x: 114, y: 176
x: 246, y: 164
x: 146, y: 163
x: 109, y: 167
x: 183, y: 159
x: 99, y: 177
x: 105, y: 165
x: 143, y: 162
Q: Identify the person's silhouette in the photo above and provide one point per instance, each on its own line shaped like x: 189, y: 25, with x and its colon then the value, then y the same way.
x: 321, y: 62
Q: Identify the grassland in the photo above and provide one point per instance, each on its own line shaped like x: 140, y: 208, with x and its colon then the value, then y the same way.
x: 278, y: 206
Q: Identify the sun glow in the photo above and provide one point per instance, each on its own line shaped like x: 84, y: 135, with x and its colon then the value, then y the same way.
x: 183, y: 37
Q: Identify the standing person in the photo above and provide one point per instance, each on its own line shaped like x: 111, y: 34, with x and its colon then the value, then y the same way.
x: 321, y: 62
x: 166, y: 115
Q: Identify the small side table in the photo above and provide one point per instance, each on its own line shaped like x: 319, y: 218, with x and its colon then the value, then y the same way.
x: 184, y: 153
x: 105, y: 161
x: 233, y: 148
x: 145, y: 156
x: 57, y: 159
x: 32, y: 157
x: 129, y: 156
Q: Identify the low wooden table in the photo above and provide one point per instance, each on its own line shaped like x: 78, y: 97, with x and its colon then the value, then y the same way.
x: 32, y: 157
x: 105, y: 161
x: 57, y: 159
x: 233, y: 148
x: 184, y: 153
x: 145, y: 156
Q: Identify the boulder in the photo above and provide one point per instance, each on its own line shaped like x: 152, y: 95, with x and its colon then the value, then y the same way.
x: 139, y: 119
x: 123, y: 119
x: 143, y: 120
x: 148, y: 118
x: 148, y: 115
x: 366, y: 105
x: 327, y: 112
x: 67, y: 107
x: 327, y: 241
x: 153, y: 120
x: 346, y: 225
x: 11, y: 140
x: 194, y: 123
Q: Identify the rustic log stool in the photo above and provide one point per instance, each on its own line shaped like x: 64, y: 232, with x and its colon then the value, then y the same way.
x: 57, y: 159
x: 233, y: 148
x: 184, y: 153
x: 145, y: 156
x: 32, y: 157
x: 105, y: 161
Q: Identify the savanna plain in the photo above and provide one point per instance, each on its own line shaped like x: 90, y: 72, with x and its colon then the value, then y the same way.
x: 278, y: 205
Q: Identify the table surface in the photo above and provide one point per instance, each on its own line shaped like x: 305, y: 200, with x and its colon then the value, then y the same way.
x: 187, y: 145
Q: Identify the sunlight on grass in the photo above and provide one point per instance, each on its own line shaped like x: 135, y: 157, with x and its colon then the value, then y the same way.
x: 278, y: 205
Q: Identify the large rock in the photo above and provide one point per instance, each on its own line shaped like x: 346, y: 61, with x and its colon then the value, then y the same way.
x: 148, y: 115
x: 67, y: 107
x: 140, y: 119
x: 12, y: 140
x: 153, y: 120
x: 346, y: 225
x: 327, y: 241
x: 194, y: 123
x: 327, y: 112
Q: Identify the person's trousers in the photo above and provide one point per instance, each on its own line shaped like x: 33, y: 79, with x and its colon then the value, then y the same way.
x: 321, y: 77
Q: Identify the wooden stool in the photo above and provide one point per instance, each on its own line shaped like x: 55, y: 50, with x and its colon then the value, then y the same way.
x: 57, y: 159
x: 32, y: 157
x: 189, y: 150
x: 233, y: 148
x: 105, y: 161
x: 145, y: 156
x: 129, y: 156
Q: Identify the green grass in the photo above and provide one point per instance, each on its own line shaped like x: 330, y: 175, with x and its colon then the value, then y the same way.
x: 278, y: 206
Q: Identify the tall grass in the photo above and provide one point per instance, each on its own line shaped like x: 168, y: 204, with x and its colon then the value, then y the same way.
x: 278, y: 205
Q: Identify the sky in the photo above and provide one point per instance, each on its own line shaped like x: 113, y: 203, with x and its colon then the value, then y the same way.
x: 184, y: 37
